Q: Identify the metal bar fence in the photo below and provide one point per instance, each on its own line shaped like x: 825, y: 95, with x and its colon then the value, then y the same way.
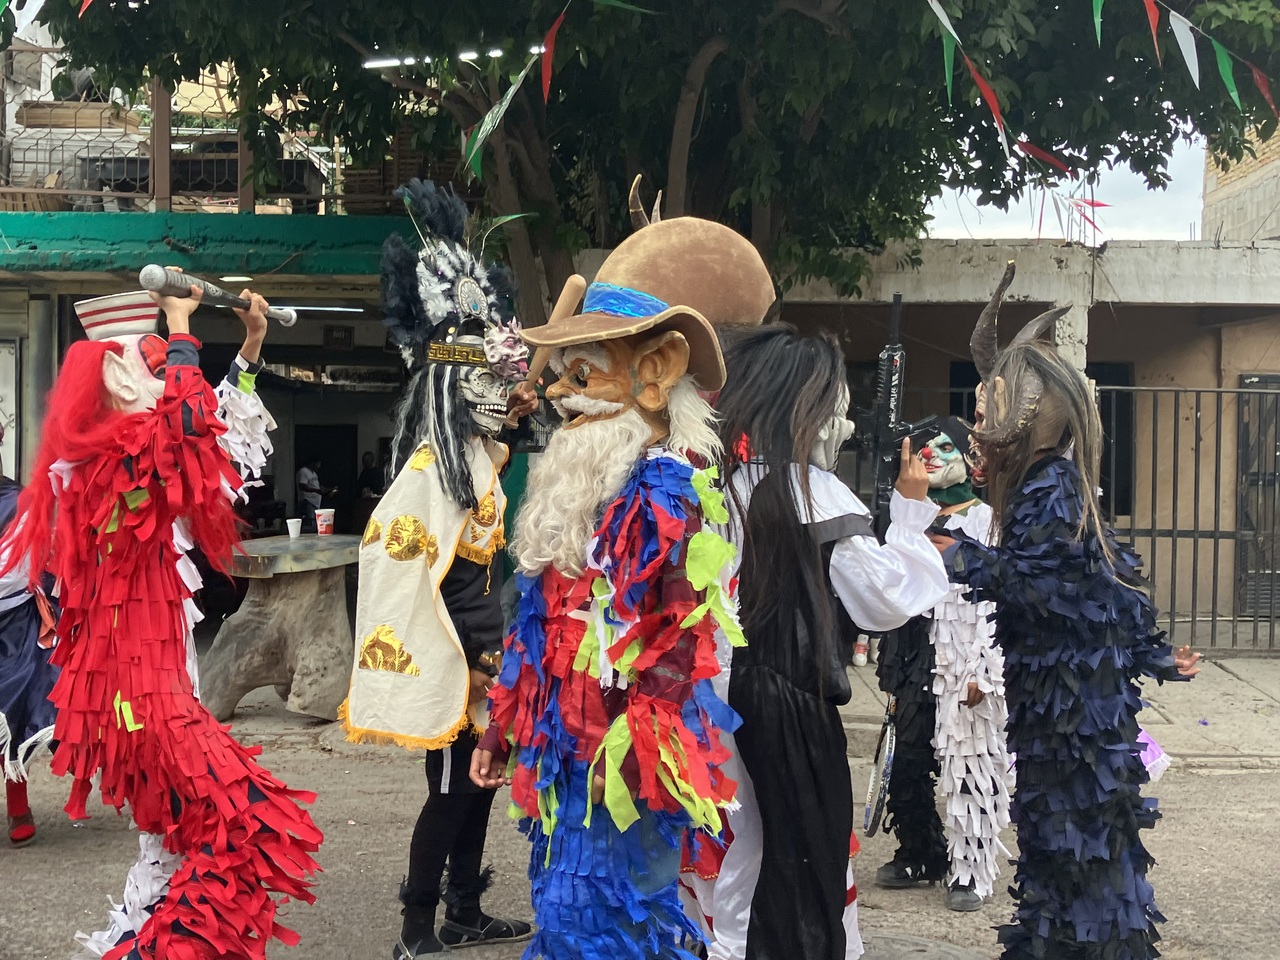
x: 1198, y: 500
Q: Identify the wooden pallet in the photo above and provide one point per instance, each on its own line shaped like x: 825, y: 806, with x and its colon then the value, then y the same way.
x: 73, y: 115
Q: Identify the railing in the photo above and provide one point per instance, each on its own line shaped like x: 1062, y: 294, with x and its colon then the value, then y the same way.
x: 1189, y: 477
x: 67, y: 145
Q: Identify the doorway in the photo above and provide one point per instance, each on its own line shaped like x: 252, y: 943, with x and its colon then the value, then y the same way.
x: 336, y: 446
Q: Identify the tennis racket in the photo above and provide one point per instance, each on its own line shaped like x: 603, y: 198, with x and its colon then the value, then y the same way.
x: 882, y: 769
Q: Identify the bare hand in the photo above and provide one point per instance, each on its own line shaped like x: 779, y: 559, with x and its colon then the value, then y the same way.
x: 178, y: 310
x: 255, y: 324
x: 597, y: 789
x: 481, y: 683
x: 913, y: 479
x: 975, y: 697
x: 488, y: 772
x: 522, y: 401
x: 940, y: 541
x: 1186, y: 661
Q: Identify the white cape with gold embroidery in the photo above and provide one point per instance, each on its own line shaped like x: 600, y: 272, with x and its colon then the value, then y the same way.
x: 411, y: 683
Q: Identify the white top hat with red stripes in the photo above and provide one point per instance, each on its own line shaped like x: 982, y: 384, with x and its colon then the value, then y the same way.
x: 119, y: 315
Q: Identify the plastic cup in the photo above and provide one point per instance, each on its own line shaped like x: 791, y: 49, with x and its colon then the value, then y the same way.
x: 295, y: 528
x: 324, y: 521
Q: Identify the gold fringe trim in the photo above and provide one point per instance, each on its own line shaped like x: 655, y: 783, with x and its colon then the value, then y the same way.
x: 381, y: 738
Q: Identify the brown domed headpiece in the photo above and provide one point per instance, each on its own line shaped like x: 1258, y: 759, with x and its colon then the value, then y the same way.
x: 685, y: 274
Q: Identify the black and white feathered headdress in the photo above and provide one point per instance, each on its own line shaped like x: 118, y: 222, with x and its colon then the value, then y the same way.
x: 431, y: 298
x: 445, y: 290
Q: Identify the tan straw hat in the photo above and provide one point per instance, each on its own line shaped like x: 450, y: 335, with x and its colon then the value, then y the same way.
x: 685, y: 274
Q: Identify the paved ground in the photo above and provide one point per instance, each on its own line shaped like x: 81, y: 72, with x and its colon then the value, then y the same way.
x: 1218, y: 846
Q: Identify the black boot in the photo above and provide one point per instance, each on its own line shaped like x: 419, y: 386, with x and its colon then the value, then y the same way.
x: 418, y: 932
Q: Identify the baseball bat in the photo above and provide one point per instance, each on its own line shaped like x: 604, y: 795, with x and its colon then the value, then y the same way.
x: 570, y: 297
x: 173, y: 283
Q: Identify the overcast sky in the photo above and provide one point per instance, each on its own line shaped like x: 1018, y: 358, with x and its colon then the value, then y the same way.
x: 1135, y: 213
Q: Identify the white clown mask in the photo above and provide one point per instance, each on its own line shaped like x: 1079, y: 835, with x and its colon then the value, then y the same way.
x: 134, y: 378
x: 944, y: 462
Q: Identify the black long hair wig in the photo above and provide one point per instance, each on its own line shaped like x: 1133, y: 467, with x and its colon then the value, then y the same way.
x: 781, y: 388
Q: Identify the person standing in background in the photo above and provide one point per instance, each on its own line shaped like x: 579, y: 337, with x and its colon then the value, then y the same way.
x: 26, y: 676
x: 372, y: 479
x: 310, y: 493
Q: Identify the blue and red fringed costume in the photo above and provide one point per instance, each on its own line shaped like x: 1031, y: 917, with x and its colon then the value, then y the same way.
x: 1077, y: 632
x: 608, y: 674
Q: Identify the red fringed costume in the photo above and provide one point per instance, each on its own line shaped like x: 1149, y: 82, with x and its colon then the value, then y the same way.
x: 232, y: 835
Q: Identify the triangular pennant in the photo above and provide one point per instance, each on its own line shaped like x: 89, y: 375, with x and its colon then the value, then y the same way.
x: 549, y: 54
x: 1097, y: 19
x: 621, y: 5
x: 4, y: 5
x: 1224, y: 68
x: 944, y: 19
x: 474, y: 157
x: 84, y: 6
x: 496, y: 113
x: 1057, y: 210
x: 1264, y: 87
x: 949, y: 60
x: 1182, y: 32
x: 1153, y: 18
x: 1031, y: 150
x: 992, y: 102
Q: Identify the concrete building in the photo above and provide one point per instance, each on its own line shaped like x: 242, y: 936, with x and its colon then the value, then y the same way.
x: 1243, y: 203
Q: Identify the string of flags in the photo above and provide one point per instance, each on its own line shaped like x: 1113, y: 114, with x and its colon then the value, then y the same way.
x: 1184, y: 33
x: 1073, y: 211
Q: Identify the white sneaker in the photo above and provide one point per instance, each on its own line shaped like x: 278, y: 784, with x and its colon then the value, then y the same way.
x: 860, y: 652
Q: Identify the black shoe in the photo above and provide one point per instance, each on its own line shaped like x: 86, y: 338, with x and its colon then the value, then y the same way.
x: 486, y: 930
x: 403, y: 951
x: 962, y: 898
x: 896, y: 875
x: 417, y: 935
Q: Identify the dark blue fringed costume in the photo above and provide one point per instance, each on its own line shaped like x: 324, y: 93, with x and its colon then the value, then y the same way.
x: 1076, y: 636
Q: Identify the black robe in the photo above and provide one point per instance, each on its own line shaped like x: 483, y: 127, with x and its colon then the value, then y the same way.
x: 792, y: 744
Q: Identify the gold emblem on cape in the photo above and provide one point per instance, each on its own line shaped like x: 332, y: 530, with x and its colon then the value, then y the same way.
x: 487, y: 512
x: 372, y: 532
x: 422, y: 458
x: 406, y: 538
x: 382, y: 650
x: 433, y: 550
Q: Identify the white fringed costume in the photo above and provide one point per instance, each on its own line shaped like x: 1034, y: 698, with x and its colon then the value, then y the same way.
x: 969, y: 742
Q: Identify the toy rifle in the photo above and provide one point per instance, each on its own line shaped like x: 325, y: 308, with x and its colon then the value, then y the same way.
x: 881, y: 429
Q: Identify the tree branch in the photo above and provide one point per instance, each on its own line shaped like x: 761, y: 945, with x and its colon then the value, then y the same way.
x: 397, y: 79
x: 825, y: 12
x: 695, y: 79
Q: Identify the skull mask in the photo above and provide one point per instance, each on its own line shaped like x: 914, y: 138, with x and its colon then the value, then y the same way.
x: 485, y: 393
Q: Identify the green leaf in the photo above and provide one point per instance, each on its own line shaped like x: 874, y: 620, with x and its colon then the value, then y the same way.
x: 494, y: 224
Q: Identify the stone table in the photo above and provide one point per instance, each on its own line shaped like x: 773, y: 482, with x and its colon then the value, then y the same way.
x: 291, y: 631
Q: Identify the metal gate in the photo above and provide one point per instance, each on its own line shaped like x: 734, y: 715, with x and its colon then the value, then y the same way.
x: 1189, y: 477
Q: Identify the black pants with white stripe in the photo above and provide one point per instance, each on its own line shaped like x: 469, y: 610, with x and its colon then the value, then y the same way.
x: 452, y: 827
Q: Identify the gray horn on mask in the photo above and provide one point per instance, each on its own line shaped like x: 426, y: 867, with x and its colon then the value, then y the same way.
x: 639, y: 219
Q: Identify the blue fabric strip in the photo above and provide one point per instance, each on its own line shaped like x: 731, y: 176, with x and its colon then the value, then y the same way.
x: 620, y: 301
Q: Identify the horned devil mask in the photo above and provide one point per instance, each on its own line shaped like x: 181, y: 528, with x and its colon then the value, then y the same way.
x: 1007, y: 409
